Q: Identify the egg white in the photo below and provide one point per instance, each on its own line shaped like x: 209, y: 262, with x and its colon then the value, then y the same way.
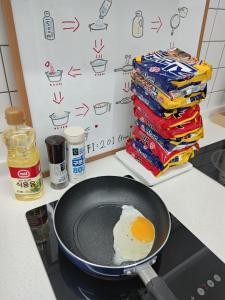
x: 126, y: 246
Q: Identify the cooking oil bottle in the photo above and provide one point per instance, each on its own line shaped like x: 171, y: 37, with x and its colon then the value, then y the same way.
x: 23, y: 156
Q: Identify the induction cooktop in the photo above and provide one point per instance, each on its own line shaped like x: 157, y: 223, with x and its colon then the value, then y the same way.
x: 206, y: 160
x: 189, y: 268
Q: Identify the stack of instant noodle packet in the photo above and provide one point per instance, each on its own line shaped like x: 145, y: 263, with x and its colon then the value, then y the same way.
x: 167, y: 88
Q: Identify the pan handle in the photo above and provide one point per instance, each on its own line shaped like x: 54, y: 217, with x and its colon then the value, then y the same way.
x: 155, y: 285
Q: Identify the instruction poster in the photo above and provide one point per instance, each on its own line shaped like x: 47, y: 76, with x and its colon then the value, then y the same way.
x: 77, y: 59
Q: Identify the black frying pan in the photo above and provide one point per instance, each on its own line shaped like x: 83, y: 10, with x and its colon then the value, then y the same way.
x: 84, y: 220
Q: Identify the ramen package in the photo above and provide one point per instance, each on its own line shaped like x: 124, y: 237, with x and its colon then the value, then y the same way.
x: 183, y: 116
x: 173, y: 71
x: 171, y: 144
x: 147, y: 159
x: 143, y: 113
x: 158, y: 150
x: 169, y: 101
x: 149, y: 101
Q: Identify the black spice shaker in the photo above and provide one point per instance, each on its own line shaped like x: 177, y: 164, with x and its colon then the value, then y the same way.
x: 57, y: 163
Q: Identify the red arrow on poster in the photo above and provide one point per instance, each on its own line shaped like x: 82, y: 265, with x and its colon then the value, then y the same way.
x: 58, y: 99
x: 74, y: 72
x: 157, y: 24
x: 98, y: 49
x: 83, y: 110
x: 71, y: 25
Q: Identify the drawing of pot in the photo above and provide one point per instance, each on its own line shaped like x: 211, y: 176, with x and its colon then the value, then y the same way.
x: 102, y: 108
x: 54, y: 76
x: 60, y: 119
x: 99, y: 65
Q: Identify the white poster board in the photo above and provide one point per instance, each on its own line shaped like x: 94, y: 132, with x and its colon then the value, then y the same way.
x: 76, y: 58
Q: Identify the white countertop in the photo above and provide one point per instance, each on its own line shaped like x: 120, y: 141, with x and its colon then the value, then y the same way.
x: 195, y: 199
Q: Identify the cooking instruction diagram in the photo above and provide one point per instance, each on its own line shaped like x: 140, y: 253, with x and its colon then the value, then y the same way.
x: 103, y: 11
x: 71, y: 25
x: 48, y: 25
x: 127, y: 68
x: 60, y: 120
x: 156, y: 24
x: 138, y: 25
x: 99, y: 63
x: 102, y: 108
x: 58, y: 97
x: 127, y: 98
x: 74, y: 72
x: 177, y: 18
x: 84, y: 53
x: 53, y: 75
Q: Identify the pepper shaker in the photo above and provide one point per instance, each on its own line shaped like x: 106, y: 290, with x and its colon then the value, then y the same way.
x: 57, y: 164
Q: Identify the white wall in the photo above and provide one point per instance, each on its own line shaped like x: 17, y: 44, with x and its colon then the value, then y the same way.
x: 8, y: 90
x: 213, y: 51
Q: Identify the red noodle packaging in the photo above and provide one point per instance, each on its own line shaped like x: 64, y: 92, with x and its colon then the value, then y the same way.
x: 167, y: 88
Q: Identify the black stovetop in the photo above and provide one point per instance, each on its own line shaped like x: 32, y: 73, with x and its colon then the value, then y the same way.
x: 188, y: 267
x: 185, y: 263
x: 203, y: 161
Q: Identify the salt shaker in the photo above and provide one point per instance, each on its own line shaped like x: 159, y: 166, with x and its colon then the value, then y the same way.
x: 75, y: 137
x: 57, y: 163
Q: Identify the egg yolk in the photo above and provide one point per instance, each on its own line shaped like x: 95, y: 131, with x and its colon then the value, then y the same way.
x: 143, y: 230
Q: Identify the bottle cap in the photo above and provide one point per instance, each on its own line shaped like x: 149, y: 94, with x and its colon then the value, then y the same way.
x: 56, y: 148
x: 14, y: 115
x: 138, y: 13
x: 74, y: 134
x: 47, y: 13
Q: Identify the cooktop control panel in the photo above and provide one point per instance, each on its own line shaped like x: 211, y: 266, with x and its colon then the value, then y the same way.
x: 201, y: 277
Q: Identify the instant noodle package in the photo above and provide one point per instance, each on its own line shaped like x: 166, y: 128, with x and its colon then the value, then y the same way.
x: 167, y: 88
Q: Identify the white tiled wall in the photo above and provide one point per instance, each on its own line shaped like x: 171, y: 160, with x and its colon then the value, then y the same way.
x: 8, y: 91
x: 213, y: 51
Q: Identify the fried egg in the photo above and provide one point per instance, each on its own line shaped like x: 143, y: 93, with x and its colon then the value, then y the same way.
x: 134, y: 236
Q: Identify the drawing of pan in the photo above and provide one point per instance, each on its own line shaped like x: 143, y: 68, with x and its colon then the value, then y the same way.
x: 99, y: 65
x: 54, y: 76
x: 125, y: 69
x: 125, y: 100
x: 60, y: 119
x: 128, y: 67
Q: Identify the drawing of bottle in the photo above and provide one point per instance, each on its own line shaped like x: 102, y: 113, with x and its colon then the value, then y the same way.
x: 138, y: 24
x: 48, y: 24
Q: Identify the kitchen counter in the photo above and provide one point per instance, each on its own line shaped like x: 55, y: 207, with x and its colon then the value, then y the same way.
x: 195, y: 199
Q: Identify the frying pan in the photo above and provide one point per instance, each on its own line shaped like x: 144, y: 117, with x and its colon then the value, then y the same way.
x: 84, y: 219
